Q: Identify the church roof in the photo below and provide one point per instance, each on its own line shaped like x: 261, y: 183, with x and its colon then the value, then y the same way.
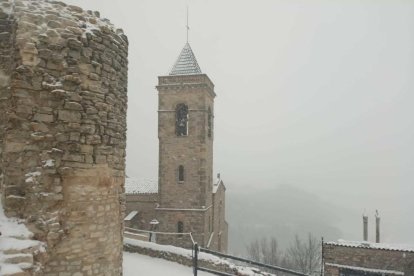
x: 140, y: 186
x: 186, y: 63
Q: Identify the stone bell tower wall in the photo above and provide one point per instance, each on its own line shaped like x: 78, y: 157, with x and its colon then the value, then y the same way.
x: 63, y: 101
x: 194, y: 151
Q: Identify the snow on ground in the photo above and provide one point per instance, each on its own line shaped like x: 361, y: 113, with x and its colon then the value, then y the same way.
x: 136, y: 264
x: 12, y: 226
x: 14, y: 236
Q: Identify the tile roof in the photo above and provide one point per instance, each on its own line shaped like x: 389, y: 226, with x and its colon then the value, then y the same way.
x: 186, y: 63
x: 140, y: 186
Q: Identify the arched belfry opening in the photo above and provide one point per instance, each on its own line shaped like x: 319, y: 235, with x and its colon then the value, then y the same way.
x: 181, y: 120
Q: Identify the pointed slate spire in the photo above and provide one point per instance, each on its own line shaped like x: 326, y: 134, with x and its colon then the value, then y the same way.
x: 186, y: 63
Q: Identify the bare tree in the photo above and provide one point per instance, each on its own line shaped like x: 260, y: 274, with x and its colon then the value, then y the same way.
x: 253, y: 251
x: 265, y: 251
x: 304, y: 256
x: 270, y: 251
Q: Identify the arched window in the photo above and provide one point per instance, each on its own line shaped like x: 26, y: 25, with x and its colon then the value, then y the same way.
x: 209, y: 123
x: 181, y: 120
x: 180, y: 227
x: 181, y: 173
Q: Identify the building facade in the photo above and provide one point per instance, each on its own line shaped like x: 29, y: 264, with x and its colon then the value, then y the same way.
x: 188, y: 199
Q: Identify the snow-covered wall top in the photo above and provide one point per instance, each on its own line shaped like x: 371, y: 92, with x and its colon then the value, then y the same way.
x: 372, y: 245
x: 48, y: 15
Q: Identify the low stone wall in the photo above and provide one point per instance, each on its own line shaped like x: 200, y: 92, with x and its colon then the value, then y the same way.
x: 177, y: 258
x: 370, y: 258
x: 206, y: 260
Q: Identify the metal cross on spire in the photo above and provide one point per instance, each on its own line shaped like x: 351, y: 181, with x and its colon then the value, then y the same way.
x: 187, y: 27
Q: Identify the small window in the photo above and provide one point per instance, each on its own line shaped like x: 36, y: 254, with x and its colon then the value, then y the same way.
x: 180, y: 228
x: 181, y: 120
x: 181, y: 173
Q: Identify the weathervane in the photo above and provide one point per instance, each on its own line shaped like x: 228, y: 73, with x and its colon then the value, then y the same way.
x: 187, y: 27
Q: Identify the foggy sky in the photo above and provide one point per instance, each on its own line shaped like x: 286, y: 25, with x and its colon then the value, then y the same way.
x: 315, y: 94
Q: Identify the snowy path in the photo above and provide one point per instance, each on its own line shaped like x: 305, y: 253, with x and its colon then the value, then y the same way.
x: 141, y: 265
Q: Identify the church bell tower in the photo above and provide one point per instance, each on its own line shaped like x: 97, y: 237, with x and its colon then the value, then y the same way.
x: 185, y: 133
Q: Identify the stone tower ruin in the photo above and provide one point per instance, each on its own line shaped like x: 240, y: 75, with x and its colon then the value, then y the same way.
x: 63, y: 100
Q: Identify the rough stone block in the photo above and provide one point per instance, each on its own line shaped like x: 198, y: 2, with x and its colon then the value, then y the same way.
x: 47, y: 118
x: 69, y: 116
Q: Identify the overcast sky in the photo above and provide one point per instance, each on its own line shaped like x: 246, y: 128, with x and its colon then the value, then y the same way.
x: 316, y: 94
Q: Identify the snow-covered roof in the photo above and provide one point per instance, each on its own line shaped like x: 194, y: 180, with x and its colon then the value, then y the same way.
x: 216, y: 185
x: 131, y: 215
x: 140, y: 186
x: 369, y: 270
x: 372, y: 245
x: 186, y: 63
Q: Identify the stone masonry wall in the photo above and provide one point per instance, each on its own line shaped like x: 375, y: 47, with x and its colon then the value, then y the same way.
x: 219, y: 241
x: 145, y: 205
x: 7, y: 30
x: 63, y: 100
x: 187, y: 201
x: 192, y: 222
x: 194, y: 151
x: 208, y: 261
x: 367, y: 258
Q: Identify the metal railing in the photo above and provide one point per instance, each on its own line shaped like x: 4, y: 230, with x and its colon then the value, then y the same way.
x: 196, y: 267
x: 149, y: 234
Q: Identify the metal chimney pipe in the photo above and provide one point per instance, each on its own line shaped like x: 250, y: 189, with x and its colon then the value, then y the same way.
x: 365, y: 225
x: 377, y: 226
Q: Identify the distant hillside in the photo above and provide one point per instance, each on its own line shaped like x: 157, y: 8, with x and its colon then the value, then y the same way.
x: 281, y: 212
